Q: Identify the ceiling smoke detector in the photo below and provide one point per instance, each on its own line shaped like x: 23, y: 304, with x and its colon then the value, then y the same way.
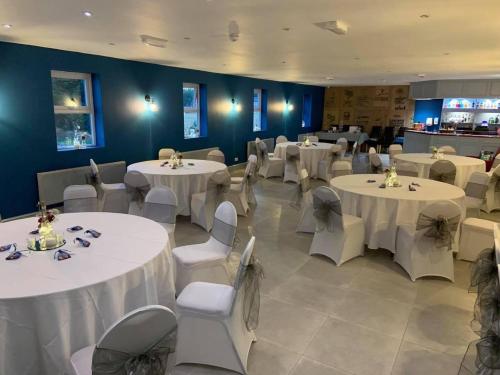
x: 154, y: 41
x: 338, y: 27
x: 233, y: 31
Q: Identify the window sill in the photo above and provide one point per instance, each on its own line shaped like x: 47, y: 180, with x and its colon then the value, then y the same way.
x: 201, y: 136
x: 78, y: 149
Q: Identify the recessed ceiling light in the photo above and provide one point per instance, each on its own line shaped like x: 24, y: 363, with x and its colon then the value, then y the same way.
x: 283, y: 62
x: 329, y: 78
x: 421, y: 75
x: 153, y: 41
x: 87, y: 13
x: 187, y: 38
x: 424, y: 16
x: 286, y: 29
x: 111, y: 43
x: 7, y: 26
x: 447, y: 53
x: 357, y: 58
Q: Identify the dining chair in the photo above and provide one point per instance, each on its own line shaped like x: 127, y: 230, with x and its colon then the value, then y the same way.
x: 313, y: 138
x: 271, y: 167
x: 337, y: 236
x: 341, y: 168
x: 394, y: 149
x: 165, y: 153
x: 376, y: 165
x: 137, y: 186
x: 292, y: 164
x: 112, y: 197
x: 80, y: 198
x: 132, y: 337
x: 251, y: 176
x: 160, y: 205
x: 406, y: 169
x: 447, y: 150
x: 344, y: 144
x: 238, y: 191
x: 214, y: 318
x: 475, y: 236
x: 475, y: 193
x: 443, y: 171
x: 426, y: 248
x: 208, y: 261
x: 492, y: 201
x: 281, y: 139
x: 325, y: 165
x: 216, y: 155
x: 306, y: 223
x: 204, y: 204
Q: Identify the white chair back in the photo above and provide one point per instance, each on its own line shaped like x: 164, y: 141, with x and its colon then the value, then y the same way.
x: 225, y: 224
x: 375, y: 162
x: 262, y: 148
x: 372, y: 150
x: 250, y: 168
x: 165, y: 153
x: 447, y: 210
x: 395, y: 149
x: 161, y: 205
x: 80, y: 198
x: 406, y: 169
x: 327, y: 209
x: 244, y: 260
x: 313, y: 138
x: 137, y: 186
x: 95, y: 171
x: 496, y: 162
x: 281, y: 139
x: 443, y: 171
x: 216, y: 155
x: 139, y: 330
x: 341, y: 168
x: 477, y: 185
x: 448, y: 150
x: 292, y: 152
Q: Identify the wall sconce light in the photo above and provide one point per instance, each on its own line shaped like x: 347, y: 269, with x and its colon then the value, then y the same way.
x: 236, y: 107
x: 149, y: 104
x: 287, y: 107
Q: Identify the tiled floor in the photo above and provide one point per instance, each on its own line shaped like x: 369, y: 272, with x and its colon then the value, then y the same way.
x: 365, y: 317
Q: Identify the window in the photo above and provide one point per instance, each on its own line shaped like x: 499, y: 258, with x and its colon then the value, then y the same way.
x: 192, y: 118
x: 73, y: 110
x: 259, y: 110
x: 307, y: 111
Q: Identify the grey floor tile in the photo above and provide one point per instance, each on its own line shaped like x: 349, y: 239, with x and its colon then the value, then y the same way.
x: 269, y: 359
x: 309, y: 367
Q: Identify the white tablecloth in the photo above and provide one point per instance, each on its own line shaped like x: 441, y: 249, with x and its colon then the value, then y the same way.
x: 465, y: 165
x: 50, y: 309
x: 309, y: 156
x: 382, y: 210
x: 184, y: 181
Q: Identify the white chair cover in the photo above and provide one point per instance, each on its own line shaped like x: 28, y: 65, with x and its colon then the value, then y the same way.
x: 165, y: 153
x: 281, y: 139
x: 208, y: 261
x: 137, y: 188
x: 216, y: 155
x: 325, y: 165
x: 313, y: 138
x: 161, y: 206
x: 493, y: 193
x: 271, y: 167
x: 111, y: 197
x: 337, y: 236
x: 443, y: 171
x: 203, y: 205
x: 292, y: 164
x: 375, y: 162
x: 140, y: 342
x: 475, y: 236
x: 496, y: 162
x: 211, y: 313
x: 241, y: 191
x: 406, y: 169
x: 341, y: 168
x: 80, y: 198
x: 448, y: 150
x: 395, y: 149
x: 475, y: 192
x: 344, y: 144
x: 425, y: 249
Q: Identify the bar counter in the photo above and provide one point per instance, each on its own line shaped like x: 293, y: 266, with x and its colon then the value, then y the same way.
x: 465, y: 144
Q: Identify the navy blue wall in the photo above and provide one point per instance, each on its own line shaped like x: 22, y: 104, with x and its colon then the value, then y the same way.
x: 27, y: 133
x: 427, y: 108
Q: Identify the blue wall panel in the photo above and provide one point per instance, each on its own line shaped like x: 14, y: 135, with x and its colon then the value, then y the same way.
x: 427, y: 108
x: 27, y: 133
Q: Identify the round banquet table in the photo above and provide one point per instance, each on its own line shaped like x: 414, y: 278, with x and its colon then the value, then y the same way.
x: 49, y: 309
x: 309, y: 156
x: 382, y: 210
x: 465, y: 165
x: 184, y: 181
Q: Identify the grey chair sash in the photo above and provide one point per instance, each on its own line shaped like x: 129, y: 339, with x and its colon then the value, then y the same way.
x: 443, y: 171
x: 248, y: 281
x: 160, y: 212
x: 440, y: 228
x: 137, y: 193
x: 223, y: 232
x: 475, y: 190
x: 325, y: 211
x: 152, y: 362
x: 484, y: 269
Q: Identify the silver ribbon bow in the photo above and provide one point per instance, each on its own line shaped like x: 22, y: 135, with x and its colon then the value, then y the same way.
x: 440, y: 228
x: 138, y: 193
x: 248, y: 281
x: 325, y: 212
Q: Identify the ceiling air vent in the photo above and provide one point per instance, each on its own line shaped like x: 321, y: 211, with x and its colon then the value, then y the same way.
x: 153, y: 41
x: 337, y: 27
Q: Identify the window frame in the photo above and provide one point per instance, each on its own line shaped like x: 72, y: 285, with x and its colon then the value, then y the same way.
x: 258, y: 109
x: 196, y: 109
x: 87, y: 109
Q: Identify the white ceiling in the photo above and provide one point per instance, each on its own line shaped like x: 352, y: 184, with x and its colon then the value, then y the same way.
x: 387, y: 43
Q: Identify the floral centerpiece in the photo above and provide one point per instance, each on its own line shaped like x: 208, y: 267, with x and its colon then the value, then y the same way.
x: 391, y: 177
x: 176, y: 160
x: 47, y: 238
x: 307, y: 142
x: 436, y: 154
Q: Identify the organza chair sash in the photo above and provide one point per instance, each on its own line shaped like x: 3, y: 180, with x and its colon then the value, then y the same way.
x: 440, y: 228
x: 152, y: 362
x: 484, y: 269
x: 160, y: 212
x: 443, y: 171
x: 219, y: 183
x: 327, y: 212
x: 475, y: 190
x: 223, y: 232
x: 248, y: 281
x: 138, y: 193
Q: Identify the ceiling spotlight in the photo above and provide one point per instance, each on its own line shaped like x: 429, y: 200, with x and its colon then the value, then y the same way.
x: 153, y: 41
x: 424, y: 16
x: 338, y: 27
x: 187, y: 38
x: 421, y: 75
x: 7, y: 26
x: 447, y: 53
x: 111, y: 43
x: 283, y: 62
x: 87, y: 13
x: 286, y: 29
x: 357, y: 58
x: 329, y: 78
